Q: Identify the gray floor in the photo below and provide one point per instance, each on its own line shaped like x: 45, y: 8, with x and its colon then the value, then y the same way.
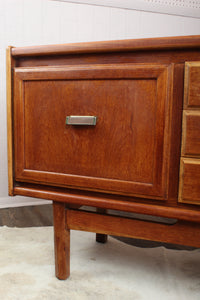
x: 27, y: 216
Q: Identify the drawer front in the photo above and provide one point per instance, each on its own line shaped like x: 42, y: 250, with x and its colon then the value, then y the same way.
x: 191, y: 134
x: 124, y: 153
x: 192, y: 86
x: 189, y: 190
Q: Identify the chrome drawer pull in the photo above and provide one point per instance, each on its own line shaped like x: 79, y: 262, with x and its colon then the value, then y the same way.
x: 81, y: 120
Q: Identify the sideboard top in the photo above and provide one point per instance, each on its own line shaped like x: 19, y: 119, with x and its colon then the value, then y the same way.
x: 164, y: 43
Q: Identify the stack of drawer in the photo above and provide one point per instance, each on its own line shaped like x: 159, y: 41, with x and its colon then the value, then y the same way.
x: 189, y: 189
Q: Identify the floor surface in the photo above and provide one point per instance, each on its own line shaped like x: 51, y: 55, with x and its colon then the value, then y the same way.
x: 114, y: 270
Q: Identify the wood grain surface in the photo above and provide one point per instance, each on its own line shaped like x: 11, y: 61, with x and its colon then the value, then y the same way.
x: 185, y: 42
x: 9, y: 65
x: 192, y: 88
x: 190, y: 135
x: 61, y: 241
x: 189, y: 181
x: 130, y: 137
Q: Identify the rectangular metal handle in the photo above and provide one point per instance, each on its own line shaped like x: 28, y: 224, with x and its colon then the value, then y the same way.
x: 81, y: 120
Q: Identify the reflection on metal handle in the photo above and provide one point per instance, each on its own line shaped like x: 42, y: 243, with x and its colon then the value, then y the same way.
x: 81, y: 120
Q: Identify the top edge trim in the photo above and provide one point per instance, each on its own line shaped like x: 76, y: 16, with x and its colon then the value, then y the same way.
x: 164, y: 43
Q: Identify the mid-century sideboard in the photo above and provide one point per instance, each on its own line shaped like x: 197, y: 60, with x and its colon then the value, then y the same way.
x: 110, y: 131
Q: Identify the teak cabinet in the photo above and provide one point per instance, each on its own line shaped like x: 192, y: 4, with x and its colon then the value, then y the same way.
x: 110, y: 131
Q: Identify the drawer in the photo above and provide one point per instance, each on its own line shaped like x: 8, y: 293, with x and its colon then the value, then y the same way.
x: 191, y: 133
x: 124, y: 153
x: 189, y: 189
x: 192, y: 85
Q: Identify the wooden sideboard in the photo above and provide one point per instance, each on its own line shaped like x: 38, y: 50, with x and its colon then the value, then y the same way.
x: 110, y: 131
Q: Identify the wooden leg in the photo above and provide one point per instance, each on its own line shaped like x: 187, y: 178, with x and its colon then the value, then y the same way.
x: 100, y: 237
x: 61, y: 242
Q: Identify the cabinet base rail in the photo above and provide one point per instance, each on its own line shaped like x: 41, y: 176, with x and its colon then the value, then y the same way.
x: 102, y: 202
x: 66, y: 219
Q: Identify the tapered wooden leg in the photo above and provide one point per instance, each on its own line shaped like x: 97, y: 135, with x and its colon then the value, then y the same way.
x: 61, y: 242
x: 100, y: 237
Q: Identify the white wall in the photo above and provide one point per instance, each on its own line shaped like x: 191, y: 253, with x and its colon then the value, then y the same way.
x: 33, y: 22
x: 186, y: 8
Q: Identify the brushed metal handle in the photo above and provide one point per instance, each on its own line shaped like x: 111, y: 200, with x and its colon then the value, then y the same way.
x: 81, y: 120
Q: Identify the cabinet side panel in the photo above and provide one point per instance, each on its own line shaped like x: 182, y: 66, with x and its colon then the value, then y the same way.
x: 9, y: 63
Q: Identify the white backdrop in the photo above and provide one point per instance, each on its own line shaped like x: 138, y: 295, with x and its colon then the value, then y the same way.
x: 188, y: 8
x: 33, y: 22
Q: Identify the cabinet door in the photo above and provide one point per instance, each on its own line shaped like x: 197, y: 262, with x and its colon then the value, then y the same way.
x: 124, y: 153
